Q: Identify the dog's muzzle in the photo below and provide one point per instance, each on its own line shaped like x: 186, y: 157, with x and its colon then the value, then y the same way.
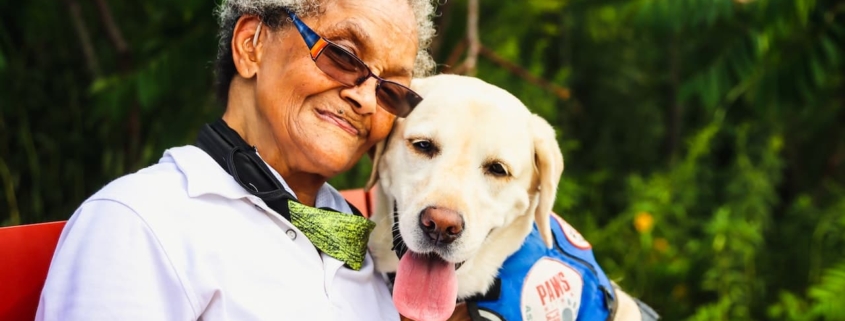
x: 442, y: 226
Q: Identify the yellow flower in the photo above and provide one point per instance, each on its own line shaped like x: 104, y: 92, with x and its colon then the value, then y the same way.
x: 643, y: 222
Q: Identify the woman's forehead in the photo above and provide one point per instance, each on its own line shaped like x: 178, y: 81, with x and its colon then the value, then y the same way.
x: 377, y: 17
x: 350, y: 30
x: 379, y: 35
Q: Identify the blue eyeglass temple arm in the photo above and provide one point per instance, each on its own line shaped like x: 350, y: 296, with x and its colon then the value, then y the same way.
x: 308, y: 35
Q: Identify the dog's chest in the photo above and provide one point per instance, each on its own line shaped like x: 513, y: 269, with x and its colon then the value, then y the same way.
x: 537, y: 283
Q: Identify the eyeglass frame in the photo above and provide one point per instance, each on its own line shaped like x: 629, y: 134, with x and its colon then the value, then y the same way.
x: 317, y: 44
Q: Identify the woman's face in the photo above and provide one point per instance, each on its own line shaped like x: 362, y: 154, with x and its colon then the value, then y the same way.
x: 318, y: 125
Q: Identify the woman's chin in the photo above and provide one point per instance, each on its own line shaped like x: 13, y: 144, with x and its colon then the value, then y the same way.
x: 332, y: 162
x: 329, y: 151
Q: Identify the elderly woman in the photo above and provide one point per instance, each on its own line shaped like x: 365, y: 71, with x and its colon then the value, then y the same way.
x: 242, y: 225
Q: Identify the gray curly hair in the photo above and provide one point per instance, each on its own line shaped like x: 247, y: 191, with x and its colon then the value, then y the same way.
x: 273, y: 14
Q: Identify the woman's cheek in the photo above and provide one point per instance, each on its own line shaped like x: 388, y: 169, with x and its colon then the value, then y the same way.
x: 381, y: 125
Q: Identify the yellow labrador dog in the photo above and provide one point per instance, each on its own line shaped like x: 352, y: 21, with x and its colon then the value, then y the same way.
x: 462, y: 181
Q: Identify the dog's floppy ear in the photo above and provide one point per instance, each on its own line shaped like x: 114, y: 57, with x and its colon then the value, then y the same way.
x: 548, y: 162
x: 376, y: 153
x: 419, y: 85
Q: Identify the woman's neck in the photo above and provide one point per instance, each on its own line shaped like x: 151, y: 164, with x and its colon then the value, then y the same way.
x: 249, y: 124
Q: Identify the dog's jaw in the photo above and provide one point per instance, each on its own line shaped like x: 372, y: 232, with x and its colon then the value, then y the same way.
x: 479, y: 272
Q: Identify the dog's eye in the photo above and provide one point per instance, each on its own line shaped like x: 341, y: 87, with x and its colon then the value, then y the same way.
x: 496, y: 169
x: 424, y: 146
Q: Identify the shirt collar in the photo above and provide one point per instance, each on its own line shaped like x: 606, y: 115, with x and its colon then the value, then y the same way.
x: 327, y: 196
x: 204, y: 176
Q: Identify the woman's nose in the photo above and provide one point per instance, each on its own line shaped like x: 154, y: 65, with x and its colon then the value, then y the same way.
x: 362, y: 96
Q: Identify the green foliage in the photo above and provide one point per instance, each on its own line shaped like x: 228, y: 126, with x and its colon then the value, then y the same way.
x: 70, y: 124
x: 824, y: 299
x: 703, y: 144
x: 704, y: 140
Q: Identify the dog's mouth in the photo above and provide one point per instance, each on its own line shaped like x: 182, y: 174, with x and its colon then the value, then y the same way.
x: 434, y: 255
x: 426, y: 286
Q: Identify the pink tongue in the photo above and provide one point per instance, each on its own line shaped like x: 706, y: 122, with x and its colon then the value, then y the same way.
x: 425, y: 288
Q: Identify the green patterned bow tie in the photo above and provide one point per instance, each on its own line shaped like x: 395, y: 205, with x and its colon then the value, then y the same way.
x: 341, y: 236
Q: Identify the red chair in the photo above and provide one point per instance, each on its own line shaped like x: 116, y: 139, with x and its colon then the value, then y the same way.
x: 361, y: 199
x: 26, y: 251
x: 25, y: 254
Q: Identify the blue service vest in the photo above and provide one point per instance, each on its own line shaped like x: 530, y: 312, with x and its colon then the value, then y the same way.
x: 537, y: 283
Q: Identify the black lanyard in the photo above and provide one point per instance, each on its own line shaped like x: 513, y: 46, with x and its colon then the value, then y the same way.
x: 241, y: 160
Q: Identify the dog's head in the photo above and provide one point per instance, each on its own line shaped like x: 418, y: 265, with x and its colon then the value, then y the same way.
x: 468, y: 171
x: 468, y: 161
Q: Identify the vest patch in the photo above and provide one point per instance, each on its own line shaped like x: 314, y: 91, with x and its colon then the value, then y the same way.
x: 551, y: 291
x: 540, y: 283
x: 572, y: 235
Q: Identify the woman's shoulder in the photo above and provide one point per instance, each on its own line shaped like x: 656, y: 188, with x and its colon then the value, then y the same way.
x: 161, y: 180
x: 162, y: 185
x: 171, y: 200
x: 185, y: 183
x: 170, y: 179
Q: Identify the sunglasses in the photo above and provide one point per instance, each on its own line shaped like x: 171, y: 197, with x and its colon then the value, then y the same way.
x: 349, y: 70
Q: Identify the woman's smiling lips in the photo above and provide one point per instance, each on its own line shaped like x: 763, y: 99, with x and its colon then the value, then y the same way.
x: 338, y: 121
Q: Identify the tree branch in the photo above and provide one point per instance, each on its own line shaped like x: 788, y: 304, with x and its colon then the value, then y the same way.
x: 561, y: 92
x: 456, y: 53
x: 11, y: 198
x: 676, y: 108
x: 474, y: 48
x: 472, y: 38
x: 133, y: 121
x: 81, y: 30
x: 113, y: 31
x: 443, y: 22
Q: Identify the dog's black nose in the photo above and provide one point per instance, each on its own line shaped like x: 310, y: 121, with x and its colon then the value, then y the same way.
x: 441, y: 225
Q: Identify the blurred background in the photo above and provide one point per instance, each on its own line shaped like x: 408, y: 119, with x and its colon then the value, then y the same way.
x: 704, y: 139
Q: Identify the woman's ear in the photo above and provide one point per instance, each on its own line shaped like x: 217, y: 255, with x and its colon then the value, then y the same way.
x: 246, y: 44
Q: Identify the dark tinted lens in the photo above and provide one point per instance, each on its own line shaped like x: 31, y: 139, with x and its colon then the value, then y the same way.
x: 344, y: 67
x: 341, y: 65
x: 397, y: 99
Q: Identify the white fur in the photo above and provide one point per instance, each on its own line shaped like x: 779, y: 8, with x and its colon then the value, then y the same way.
x: 472, y: 123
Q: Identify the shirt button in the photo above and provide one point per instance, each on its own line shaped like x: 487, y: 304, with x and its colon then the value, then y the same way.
x: 291, y: 234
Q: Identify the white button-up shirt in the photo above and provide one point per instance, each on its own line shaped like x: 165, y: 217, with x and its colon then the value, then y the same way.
x: 181, y: 240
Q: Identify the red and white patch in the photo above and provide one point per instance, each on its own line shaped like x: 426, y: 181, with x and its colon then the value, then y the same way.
x: 551, y: 291
x: 572, y: 234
